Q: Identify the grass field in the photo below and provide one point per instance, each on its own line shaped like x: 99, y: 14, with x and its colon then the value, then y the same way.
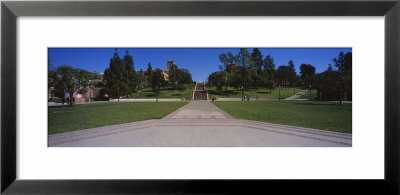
x: 84, y: 116
x: 260, y: 92
x: 318, y: 115
x: 166, y: 92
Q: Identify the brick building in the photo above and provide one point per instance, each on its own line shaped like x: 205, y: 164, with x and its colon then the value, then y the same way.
x: 170, y: 66
x: 95, y: 85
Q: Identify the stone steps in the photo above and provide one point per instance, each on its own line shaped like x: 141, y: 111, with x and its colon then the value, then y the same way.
x: 200, y: 93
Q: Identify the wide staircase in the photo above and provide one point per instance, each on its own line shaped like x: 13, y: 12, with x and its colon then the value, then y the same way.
x: 200, y: 92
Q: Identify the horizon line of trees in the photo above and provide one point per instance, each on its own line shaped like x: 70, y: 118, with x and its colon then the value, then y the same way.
x: 246, y: 70
x: 120, y: 78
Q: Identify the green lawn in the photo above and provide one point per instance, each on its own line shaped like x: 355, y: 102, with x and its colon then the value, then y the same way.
x: 84, y: 116
x: 166, y: 92
x: 260, y: 92
x: 312, y: 114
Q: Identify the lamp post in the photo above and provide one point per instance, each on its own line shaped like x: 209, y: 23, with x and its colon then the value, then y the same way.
x: 294, y: 89
x: 310, y: 91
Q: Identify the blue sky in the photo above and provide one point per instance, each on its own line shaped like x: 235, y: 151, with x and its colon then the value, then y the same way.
x: 199, y: 61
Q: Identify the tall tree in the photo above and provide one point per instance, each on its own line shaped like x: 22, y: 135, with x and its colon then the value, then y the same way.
x: 330, y: 67
x: 130, y: 72
x: 269, y: 67
x: 226, y: 60
x: 256, y: 68
x: 116, y: 84
x: 292, y: 75
x: 243, y: 60
x: 291, y: 66
x: 141, y: 79
x: 157, y: 80
x: 217, y: 79
x: 72, y: 80
x: 269, y: 84
x: 187, y: 77
x: 179, y: 77
x: 344, y: 65
x: 257, y: 57
x: 149, y: 74
x: 283, y: 74
x: 348, y: 73
x: 307, y: 72
x: 326, y: 85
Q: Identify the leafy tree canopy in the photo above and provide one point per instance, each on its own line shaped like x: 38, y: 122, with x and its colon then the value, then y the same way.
x: 71, y: 80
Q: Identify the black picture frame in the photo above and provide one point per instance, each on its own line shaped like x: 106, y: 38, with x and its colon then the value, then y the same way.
x: 10, y: 10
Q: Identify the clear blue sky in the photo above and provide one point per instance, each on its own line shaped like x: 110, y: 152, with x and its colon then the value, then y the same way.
x: 199, y: 61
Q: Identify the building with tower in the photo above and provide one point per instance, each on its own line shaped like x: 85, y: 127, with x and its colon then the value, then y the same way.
x: 171, y: 65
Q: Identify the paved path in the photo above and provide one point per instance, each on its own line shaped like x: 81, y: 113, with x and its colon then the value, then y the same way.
x: 52, y: 104
x: 250, y: 99
x: 149, y: 100
x: 297, y: 95
x: 200, y: 123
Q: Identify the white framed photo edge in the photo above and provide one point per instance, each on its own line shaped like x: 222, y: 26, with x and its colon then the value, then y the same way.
x: 3, y: 55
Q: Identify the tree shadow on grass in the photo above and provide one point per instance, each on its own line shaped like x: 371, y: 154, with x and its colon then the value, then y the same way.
x: 150, y: 95
x: 168, y: 89
x: 263, y: 92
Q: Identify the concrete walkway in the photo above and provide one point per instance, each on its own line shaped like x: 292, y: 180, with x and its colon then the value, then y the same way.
x: 297, y: 95
x: 200, y: 123
x: 149, y: 100
x: 250, y: 99
x: 52, y: 104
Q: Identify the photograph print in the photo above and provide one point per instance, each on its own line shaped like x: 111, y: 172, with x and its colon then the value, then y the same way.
x: 199, y: 97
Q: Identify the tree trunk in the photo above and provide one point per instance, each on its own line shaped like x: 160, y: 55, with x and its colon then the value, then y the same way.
x: 226, y: 84
x: 294, y: 88
x: 70, y: 98
x: 279, y: 91
x: 118, y: 94
x: 242, y: 93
